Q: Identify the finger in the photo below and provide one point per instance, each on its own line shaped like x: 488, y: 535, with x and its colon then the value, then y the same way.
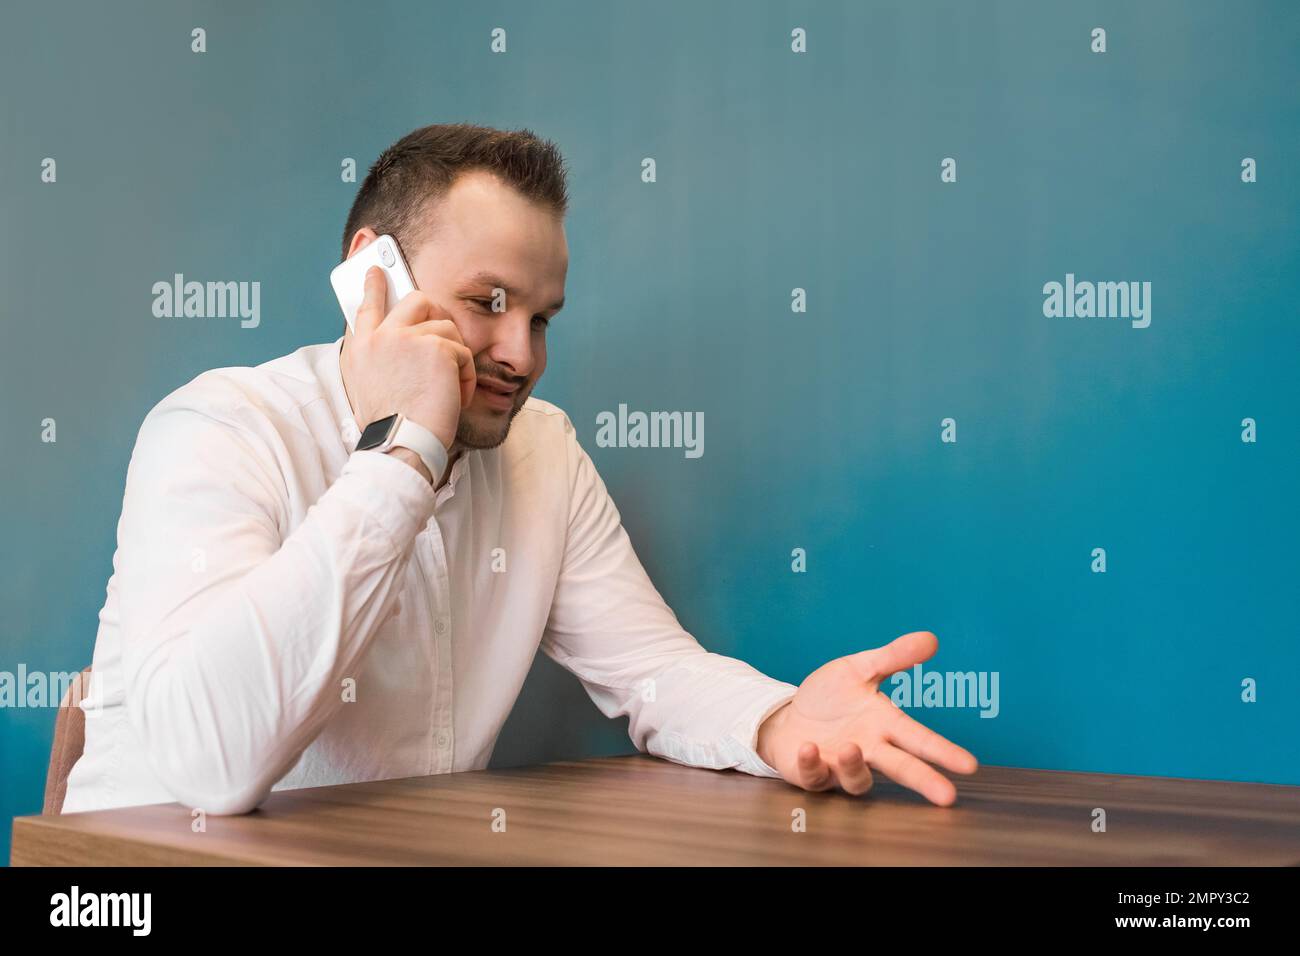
x: 916, y: 738
x: 914, y: 774
x: 811, y: 770
x: 468, y: 373
x: 445, y: 328
x: 851, y: 770
x: 899, y: 654
x: 374, y: 302
x: 416, y: 307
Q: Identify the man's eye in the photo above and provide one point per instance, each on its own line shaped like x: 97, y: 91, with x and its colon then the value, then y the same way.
x: 539, y: 321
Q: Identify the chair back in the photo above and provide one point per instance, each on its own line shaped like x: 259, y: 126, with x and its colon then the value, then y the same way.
x: 69, y: 742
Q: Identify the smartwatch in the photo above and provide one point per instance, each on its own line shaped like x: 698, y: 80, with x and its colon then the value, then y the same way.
x: 398, y: 431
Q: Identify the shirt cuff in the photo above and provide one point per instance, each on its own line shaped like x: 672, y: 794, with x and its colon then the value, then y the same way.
x: 743, y: 739
x: 399, y: 497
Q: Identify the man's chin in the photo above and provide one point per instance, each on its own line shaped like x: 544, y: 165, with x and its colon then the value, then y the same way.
x: 485, y: 429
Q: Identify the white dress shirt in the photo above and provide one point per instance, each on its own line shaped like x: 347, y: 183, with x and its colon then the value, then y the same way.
x: 285, y: 612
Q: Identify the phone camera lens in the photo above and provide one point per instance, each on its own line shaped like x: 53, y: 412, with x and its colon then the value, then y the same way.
x: 386, y: 255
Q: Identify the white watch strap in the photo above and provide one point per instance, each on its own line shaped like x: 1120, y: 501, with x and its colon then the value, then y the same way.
x: 424, y: 443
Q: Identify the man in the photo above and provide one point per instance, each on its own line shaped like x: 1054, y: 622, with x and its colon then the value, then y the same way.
x: 287, y: 611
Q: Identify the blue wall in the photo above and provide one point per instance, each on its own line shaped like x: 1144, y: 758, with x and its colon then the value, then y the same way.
x: 775, y: 171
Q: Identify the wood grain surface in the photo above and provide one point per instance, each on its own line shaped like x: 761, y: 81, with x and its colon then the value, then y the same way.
x: 640, y: 810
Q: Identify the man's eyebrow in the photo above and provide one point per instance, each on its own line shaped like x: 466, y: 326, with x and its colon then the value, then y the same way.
x: 496, y: 282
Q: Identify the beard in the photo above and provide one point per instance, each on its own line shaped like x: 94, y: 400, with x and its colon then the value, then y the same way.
x: 488, y: 430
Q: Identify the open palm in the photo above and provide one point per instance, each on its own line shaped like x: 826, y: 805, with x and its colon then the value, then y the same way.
x: 839, y: 726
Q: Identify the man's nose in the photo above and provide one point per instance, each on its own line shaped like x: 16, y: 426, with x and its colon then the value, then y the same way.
x: 512, y: 344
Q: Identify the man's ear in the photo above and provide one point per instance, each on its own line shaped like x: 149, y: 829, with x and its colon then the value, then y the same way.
x: 360, y: 239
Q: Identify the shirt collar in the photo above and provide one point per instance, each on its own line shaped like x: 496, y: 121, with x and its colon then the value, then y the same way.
x: 331, y: 374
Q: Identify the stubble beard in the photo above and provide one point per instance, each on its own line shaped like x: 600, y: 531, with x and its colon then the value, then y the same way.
x: 471, y: 434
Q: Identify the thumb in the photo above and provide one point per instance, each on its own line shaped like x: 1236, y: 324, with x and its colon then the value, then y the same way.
x: 899, y: 654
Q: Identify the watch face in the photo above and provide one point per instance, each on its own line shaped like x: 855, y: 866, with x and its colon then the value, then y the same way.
x: 375, y: 433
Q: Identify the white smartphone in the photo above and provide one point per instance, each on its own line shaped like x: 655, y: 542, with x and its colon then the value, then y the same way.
x: 349, y: 276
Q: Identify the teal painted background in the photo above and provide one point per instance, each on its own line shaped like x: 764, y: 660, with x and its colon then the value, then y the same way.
x: 775, y: 171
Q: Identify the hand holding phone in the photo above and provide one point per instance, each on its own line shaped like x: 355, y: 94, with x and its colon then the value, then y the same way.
x: 411, y: 359
x: 348, y: 277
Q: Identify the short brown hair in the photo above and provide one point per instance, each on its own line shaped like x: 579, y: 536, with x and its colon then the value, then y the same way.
x: 422, y: 165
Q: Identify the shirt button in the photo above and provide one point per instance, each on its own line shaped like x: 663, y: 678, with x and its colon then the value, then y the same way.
x: 440, y: 626
x: 442, y: 740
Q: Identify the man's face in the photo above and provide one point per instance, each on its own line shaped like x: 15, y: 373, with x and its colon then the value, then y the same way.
x: 490, y: 243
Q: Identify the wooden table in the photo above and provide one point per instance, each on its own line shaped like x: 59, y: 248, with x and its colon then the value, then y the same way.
x: 642, y: 810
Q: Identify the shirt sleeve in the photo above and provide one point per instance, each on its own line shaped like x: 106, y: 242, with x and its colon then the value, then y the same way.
x: 610, y: 627
x: 236, y: 637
